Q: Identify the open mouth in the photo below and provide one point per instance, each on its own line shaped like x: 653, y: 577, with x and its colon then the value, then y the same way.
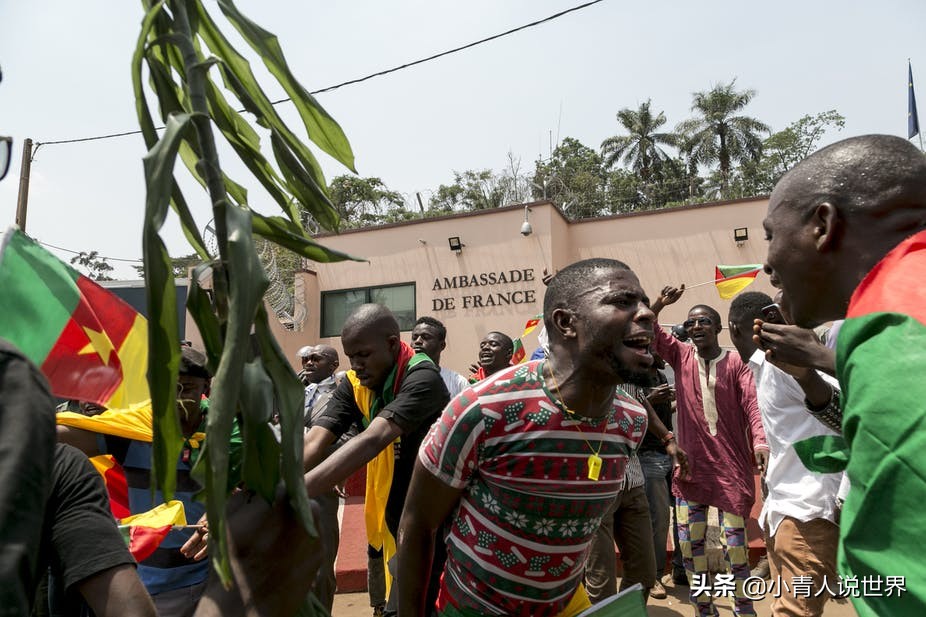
x: 640, y: 342
x: 486, y: 357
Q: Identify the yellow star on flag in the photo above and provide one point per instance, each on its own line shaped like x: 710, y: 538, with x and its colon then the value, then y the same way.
x: 99, y: 344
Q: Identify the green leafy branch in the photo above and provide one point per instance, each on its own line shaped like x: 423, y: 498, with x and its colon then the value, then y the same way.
x: 183, y: 50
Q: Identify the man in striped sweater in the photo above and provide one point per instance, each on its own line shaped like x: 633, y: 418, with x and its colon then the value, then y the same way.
x: 527, y: 462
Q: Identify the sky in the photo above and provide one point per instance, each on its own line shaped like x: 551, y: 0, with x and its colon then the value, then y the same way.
x: 66, y: 76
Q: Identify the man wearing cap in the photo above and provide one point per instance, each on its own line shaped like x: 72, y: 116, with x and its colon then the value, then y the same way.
x: 174, y: 580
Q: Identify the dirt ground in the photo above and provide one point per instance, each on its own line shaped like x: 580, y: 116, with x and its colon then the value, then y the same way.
x: 675, y: 605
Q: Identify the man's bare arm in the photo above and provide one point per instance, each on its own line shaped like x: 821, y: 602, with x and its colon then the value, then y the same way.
x: 83, y: 440
x: 429, y: 502
x: 350, y: 457
x: 314, y: 446
x: 117, y: 592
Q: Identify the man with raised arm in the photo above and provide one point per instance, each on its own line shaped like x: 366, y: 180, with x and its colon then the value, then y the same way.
x: 720, y: 427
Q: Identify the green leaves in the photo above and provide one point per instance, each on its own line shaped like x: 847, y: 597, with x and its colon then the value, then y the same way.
x: 321, y: 127
x: 184, y: 50
x: 163, y: 337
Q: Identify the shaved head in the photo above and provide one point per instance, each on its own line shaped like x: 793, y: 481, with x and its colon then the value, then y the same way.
x: 371, y: 342
x: 836, y: 214
x: 370, y: 320
x: 328, y: 351
x: 877, y: 176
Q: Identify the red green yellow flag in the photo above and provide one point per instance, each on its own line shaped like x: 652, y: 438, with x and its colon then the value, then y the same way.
x: 517, y: 354
x: 531, y: 324
x: 144, y: 532
x: 116, y: 484
x: 730, y: 280
x: 90, y: 345
x: 880, y: 360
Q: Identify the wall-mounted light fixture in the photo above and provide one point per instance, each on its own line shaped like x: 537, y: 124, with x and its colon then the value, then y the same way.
x: 740, y: 234
x: 455, y: 244
x: 526, y: 228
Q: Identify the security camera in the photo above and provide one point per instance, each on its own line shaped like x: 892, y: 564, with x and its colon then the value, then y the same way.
x: 526, y: 229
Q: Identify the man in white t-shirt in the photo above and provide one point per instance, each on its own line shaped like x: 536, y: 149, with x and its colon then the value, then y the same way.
x: 429, y: 336
x: 800, y: 511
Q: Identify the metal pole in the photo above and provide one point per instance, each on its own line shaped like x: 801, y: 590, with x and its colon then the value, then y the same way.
x: 23, y: 201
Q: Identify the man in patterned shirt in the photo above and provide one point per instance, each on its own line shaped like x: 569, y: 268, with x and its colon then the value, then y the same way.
x: 528, y: 461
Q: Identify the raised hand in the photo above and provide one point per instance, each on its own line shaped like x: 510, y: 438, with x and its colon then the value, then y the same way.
x: 668, y: 295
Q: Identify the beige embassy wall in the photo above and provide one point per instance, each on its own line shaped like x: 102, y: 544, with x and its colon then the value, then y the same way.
x: 680, y: 245
x: 418, y: 252
x: 672, y: 246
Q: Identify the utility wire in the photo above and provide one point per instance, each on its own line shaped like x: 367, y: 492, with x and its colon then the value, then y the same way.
x: 367, y: 77
x: 103, y: 257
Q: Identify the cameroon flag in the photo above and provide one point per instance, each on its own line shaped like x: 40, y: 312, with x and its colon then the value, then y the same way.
x: 532, y: 323
x: 89, y: 344
x: 730, y: 280
x: 143, y: 533
x: 880, y: 363
x: 117, y: 485
x: 517, y: 351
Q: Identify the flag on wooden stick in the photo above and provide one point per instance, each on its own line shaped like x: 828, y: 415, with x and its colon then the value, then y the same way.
x: 730, y: 280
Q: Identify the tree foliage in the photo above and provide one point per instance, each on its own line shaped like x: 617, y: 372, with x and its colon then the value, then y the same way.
x: 718, y: 134
x: 179, y: 266
x: 641, y: 149
x: 94, y: 266
x: 361, y: 202
x: 573, y: 178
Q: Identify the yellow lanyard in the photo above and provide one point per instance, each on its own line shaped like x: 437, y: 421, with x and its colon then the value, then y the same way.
x: 594, y: 461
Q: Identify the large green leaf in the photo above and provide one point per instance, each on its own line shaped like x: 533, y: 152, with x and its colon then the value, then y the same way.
x: 283, y: 232
x: 163, y: 340
x: 246, y: 285
x: 199, y: 306
x: 290, y: 396
x: 261, y: 465
x: 148, y: 130
x: 309, y: 194
x: 238, y: 77
x: 141, y: 101
x: 321, y: 128
x: 246, y: 144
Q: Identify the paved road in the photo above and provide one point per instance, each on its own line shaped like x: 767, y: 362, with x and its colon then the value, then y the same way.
x: 675, y: 605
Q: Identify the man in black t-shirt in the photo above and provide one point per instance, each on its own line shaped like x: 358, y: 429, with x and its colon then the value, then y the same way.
x: 87, y: 556
x: 27, y: 440
x: 394, y: 395
x: 657, y: 468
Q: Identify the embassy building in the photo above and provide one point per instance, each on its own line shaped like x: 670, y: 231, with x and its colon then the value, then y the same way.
x: 482, y: 271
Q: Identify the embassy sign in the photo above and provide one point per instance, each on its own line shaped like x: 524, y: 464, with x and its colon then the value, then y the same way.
x: 475, y: 290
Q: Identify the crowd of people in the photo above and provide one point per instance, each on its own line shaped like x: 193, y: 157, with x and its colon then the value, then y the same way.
x: 505, y: 493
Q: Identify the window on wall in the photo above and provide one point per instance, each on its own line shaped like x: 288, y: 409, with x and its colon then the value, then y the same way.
x: 337, y: 305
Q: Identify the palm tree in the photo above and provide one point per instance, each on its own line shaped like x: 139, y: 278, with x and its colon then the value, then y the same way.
x: 717, y: 135
x: 640, y: 149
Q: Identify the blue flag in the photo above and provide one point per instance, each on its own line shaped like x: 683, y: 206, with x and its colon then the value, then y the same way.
x: 913, y: 121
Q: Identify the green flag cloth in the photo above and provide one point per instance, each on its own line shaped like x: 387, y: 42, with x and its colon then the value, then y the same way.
x: 881, y: 361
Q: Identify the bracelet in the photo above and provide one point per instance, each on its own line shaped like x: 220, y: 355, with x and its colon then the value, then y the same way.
x: 830, y: 415
x: 667, y: 438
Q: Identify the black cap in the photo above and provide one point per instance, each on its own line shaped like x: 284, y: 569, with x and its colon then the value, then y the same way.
x: 193, y: 363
